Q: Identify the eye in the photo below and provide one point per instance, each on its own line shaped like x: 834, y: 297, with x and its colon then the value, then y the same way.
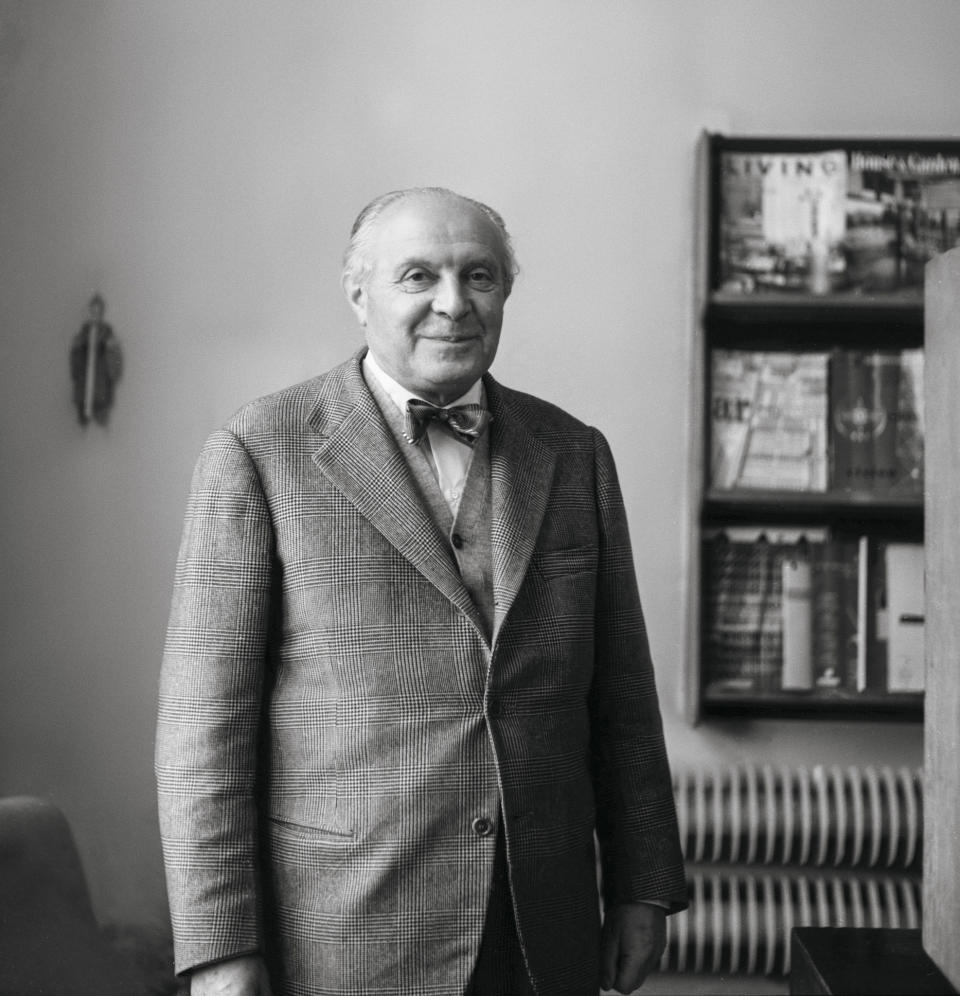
x: 416, y: 279
x: 482, y: 277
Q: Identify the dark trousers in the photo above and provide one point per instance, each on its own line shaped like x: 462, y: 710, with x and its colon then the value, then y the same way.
x: 500, y: 968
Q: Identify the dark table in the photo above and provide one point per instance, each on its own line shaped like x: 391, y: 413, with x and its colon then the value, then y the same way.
x: 862, y: 961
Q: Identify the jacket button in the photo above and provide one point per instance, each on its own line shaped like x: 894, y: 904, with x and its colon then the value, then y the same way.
x: 457, y: 541
x: 482, y: 827
x: 495, y: 708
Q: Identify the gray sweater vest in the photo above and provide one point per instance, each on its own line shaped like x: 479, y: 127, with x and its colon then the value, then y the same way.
x: 469, y: 534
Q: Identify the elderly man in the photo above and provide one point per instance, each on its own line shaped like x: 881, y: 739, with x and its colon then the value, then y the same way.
x: 406, y: 685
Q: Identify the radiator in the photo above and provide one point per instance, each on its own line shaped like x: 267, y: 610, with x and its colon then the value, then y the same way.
x: 770, y: 848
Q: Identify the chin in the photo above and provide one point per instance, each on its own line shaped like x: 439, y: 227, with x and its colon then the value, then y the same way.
x: 451, y: 380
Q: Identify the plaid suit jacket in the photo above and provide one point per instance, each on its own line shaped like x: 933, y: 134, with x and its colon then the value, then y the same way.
x: 337, y: 743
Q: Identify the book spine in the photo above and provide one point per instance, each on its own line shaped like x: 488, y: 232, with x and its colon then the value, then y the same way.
x: 743, y: 616
x: 851, y: 434
x: 765, y: 568
x: 826, y: 640
x: 730, y: 626
x: 860, y: 671
x: 884, y: 376
x: 905, y: 599
x: 910, y: 425
x: 797, y: 619
x: 851, y: 602
x: 879, y: 620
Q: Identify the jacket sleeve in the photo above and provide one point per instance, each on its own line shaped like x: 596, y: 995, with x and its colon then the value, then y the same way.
x: 641, y: 855
x: 211, y: 687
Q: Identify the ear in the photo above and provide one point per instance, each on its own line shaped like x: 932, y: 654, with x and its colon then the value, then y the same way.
x: 357, y: 297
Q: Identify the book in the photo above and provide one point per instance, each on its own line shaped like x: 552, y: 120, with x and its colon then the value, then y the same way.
x: 852, y: 421
x: 876, y: 427
x: 909, y: 427
x: 768, y: 420
x: 825, y: 615
x: 905, y: 606
x: 884, y: 375
x: 733, y: 390
x: 851, y: 599
x: 879, y: 620
x: 737, y: 638
x: 743, y: 632
x: 757, y: 630
x: 797, y: 613
x: 863, y: 608
x: 835, y: 583
x: 782, y: 220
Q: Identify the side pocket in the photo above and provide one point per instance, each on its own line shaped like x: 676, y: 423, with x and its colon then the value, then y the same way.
x: 308, y: 833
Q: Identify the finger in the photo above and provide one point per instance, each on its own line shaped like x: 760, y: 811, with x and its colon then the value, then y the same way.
x: 609, y: 953
x: 633, y: 967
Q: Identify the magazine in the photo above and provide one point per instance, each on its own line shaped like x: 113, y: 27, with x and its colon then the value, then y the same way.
x: 768, y: 420
x: 847, y: 220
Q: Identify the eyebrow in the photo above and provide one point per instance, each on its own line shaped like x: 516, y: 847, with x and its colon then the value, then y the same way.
x: 485, y: 257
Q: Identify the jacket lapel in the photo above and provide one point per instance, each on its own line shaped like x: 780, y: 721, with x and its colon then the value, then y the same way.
x: 522, y: 471
x: 359, y: 456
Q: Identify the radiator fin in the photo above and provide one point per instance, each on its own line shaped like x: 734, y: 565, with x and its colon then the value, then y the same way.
x: 818, y: 816
x: 769, y: 849
x: 739, y: 919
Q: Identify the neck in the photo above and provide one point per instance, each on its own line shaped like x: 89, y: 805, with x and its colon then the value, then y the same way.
x: 401, y: 392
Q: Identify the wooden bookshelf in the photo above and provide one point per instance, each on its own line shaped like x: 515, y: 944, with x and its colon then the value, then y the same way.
x: 857, y: 311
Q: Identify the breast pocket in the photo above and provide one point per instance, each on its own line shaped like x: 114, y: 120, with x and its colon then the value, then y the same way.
x: 564, y: 562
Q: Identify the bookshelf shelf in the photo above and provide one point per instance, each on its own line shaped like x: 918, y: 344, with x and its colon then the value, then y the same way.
x: 810, y: 366
x: 898, y: 307
x: 813, y: 507
x: 795, y: 321
x: 904, y: 706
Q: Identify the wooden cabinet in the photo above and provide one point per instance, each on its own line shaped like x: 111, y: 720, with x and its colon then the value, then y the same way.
x: 941, y: 882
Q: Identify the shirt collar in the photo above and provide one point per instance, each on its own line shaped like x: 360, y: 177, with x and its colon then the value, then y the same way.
x: 400, y: 395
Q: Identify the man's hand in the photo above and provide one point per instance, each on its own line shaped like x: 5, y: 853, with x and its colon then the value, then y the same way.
x: 246, y: 976
x: 633, y: 939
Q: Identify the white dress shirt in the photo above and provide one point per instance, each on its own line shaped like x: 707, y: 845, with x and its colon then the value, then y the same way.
x: 448, y: 456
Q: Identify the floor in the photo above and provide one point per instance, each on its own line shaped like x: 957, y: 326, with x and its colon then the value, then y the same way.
x: 689, y: 984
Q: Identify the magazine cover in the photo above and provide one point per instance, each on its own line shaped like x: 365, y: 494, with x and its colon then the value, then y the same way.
x: 768, y: 420
x: 903, y: 208
x: 876, y: 422
x: 849, y: 220
x: 782, y: 221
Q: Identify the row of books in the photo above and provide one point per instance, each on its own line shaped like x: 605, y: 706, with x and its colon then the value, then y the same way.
x: 841, y: 220
x: 802, y: 611
x: 844, y: 420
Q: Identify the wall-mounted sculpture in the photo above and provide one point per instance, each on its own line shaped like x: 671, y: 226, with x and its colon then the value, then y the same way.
x: 95, y: 365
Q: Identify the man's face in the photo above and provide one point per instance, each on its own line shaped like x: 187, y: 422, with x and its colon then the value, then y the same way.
x: 432, y: 303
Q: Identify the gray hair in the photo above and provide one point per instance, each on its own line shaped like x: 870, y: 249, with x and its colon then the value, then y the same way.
x: 356, y: 259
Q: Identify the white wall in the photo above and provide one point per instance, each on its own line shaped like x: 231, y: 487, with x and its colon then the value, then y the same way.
x: 198, y: 162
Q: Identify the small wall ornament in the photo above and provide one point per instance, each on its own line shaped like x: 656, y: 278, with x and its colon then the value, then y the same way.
x: 95, y: 365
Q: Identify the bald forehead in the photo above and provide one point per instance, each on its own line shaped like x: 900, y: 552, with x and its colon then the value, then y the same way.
x: 444, y: 216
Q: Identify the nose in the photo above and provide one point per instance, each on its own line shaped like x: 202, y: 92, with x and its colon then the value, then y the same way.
x: 450, y: 298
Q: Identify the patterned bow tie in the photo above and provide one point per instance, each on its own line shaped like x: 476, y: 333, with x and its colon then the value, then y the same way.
x: 465, y: 422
